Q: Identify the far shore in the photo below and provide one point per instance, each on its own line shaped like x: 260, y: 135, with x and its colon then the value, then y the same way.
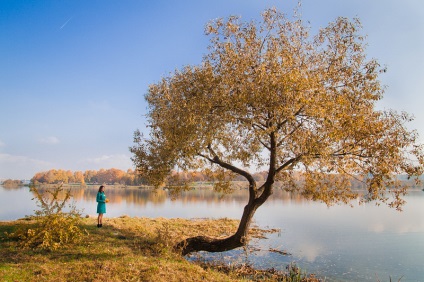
x: 194, y: 185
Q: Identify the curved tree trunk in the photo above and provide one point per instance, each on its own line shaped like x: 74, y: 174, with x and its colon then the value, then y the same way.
x: 256, y: 199
x: 238, y: 239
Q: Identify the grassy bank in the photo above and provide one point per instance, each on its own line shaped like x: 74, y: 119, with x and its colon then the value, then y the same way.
x: 124, y: 249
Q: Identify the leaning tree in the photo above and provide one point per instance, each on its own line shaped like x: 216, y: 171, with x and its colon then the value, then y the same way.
x: 269, y: 94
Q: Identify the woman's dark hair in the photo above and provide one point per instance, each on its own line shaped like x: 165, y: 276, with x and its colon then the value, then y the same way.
x: 100, y: 188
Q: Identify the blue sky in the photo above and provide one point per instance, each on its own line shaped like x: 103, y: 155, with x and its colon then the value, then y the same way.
x: 73, y: 74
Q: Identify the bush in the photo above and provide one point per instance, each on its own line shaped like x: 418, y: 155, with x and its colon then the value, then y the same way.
x: 54, y: 228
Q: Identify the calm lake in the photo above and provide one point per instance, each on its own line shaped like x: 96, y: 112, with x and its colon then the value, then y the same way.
x: 340, y: 243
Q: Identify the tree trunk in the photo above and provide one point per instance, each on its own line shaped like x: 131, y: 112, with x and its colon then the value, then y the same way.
x: 239, y: 239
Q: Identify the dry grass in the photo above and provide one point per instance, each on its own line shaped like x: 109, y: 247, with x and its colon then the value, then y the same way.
x: 124, y: 249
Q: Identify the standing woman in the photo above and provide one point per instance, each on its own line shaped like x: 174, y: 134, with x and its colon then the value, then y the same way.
x: 101, y: 205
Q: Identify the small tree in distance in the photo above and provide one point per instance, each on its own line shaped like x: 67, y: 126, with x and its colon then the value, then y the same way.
x: 270, y: 94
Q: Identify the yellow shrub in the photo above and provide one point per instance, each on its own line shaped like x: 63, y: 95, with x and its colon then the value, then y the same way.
x: 54, y: 228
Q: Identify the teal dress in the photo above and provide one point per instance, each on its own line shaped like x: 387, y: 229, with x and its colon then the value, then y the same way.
x: 101, y: 202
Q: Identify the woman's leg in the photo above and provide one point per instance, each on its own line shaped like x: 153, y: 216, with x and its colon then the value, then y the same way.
x: 100, y: 219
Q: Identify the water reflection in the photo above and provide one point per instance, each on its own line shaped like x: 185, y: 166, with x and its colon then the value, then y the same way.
x: 351, y: 244
x: 143, y: 196
x: 340, y: 243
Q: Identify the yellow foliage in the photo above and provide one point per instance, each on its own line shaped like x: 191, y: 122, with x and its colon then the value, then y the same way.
x: 271, y: 94
x: 53, y: 228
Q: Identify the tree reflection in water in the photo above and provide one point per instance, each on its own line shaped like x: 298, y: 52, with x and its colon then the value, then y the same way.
x: 320, y: 239
x: 141, y: 196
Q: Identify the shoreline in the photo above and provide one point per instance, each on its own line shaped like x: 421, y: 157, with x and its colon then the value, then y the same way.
x: 129, y: 248
x: 194, y: 185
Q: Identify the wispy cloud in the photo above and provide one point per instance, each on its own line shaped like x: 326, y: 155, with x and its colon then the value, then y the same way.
x: 66, y: 23
x: 20, y: 167
x: 120, y: 161
x: 7, y: 158
x: 50, y: 140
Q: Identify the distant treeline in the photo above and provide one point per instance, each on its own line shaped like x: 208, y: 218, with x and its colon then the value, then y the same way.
x: 10, y: 183
x: 130, y: 177
x: 102, y: 176
x: 117, y: 176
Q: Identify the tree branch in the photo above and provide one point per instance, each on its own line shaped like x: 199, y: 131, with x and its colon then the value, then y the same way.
x: 290, y: 162
x: 267, y: 186
x: 265, y: 145
x: 291, y: 133
x: 286, y: 120
x: 247, y: 175
x: 206, y: 157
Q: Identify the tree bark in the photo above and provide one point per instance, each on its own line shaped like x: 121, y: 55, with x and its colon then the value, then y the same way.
x: 239, y: 239
x: 203, y: 243
x: 256, y: 199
